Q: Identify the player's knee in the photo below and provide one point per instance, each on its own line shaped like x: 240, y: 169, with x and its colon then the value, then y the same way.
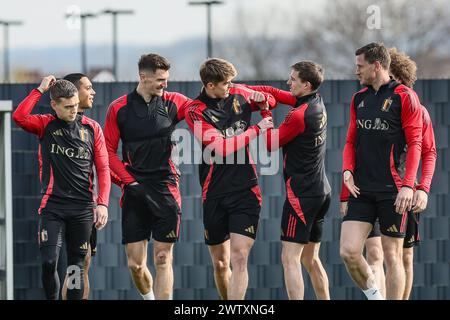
x: 221, y: 265
x: 408, y: 258
x: 239, y: 258
x: 49, y: 258
x: 349, y: 255
x: 374, y: 255
x: 392, y: 257
x: 288, y: 259
x: 76, y: 261
x: 49, y: 266
x: 311, y: 263
x: 87, y: 261
x: 135, y: 267
x: 163, y: 259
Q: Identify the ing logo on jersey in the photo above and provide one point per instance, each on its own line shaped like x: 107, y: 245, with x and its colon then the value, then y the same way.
x: 78, y: 153
x: 376, y: 124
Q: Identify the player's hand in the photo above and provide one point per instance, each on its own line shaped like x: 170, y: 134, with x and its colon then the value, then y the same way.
x: 343, y: 206
x: 100, y: 216
x: 350, y: 183
x: 266, y: 113
x: 47, y: 83
x: 420, y: 201
x: 263, y: 106
x: 266, y: 123
x: 403, y: 202
x: 257, y: 96
x: 260, y: 100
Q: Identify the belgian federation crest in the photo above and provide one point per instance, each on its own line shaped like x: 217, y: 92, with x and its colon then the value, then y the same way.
x: 83, y: 134
x: 386, y: 104
x: 237, y: 106
x: 44, y: 236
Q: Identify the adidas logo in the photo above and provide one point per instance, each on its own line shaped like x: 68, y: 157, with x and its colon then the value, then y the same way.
x: 58, y: 133
x: 172, y: 234
x: 84, y: 246
x: 250, y: 230
x: 411, y: 239
x: 392, y: 228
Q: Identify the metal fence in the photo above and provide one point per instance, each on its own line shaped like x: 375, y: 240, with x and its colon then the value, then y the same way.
x: 6, y: 239
x: 193, y: 271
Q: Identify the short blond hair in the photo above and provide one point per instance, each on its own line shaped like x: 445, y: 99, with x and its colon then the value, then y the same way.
x: 402, y: 67
x: 216, y: 70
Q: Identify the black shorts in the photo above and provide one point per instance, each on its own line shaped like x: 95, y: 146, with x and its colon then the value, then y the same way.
x: 412, y: 237
x: 233, y: 213
x: 151, y: 210
x: 93, y: 241
x: 302, y: 219
x: 372, y: 205
x: 375, y: 231
x: 73, y: 226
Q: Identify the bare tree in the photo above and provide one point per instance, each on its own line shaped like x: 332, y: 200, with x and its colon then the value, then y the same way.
x: 418, y: 27
x: 255, y: 48
x: 421, y: 28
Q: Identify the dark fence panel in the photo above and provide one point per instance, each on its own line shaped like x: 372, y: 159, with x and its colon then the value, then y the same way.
x: 193, y: 271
